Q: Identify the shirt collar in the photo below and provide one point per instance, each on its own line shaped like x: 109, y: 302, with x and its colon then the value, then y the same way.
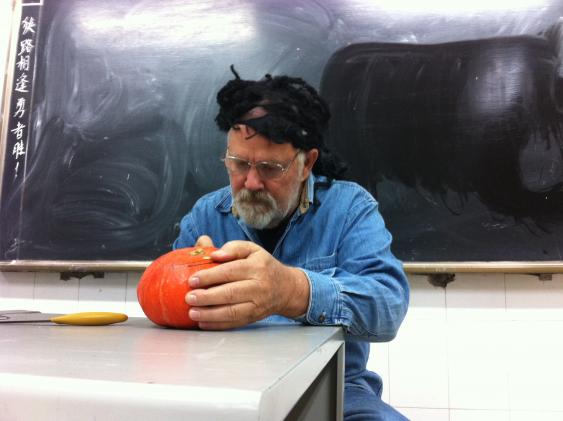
x: 307, y: 194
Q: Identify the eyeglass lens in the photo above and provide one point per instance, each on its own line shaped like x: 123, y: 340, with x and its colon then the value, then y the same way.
x: 266, y: 170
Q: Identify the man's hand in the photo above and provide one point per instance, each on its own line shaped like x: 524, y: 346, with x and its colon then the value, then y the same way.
x: 249, y: 286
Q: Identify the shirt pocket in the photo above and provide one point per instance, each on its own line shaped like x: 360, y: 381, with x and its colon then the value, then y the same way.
x: 323, y: 264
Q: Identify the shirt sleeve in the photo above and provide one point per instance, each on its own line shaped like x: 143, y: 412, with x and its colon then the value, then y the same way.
x: 188, y: 233
x: 366, y: 290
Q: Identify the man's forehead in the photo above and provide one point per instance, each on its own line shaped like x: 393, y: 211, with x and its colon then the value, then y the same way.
x: 237, y: 142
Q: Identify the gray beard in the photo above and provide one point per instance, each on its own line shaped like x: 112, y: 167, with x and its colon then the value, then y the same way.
x: 260, y: 210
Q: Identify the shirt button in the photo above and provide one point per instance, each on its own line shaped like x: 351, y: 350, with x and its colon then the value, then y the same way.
x: 322, y: 318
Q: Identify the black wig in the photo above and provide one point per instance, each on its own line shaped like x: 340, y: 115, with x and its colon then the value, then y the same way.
x: 294, y: 112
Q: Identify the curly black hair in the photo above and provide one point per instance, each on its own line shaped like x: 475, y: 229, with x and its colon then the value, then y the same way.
x: 294, y: 112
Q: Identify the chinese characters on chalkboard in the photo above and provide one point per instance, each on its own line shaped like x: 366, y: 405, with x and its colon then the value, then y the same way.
x: 21, y: 96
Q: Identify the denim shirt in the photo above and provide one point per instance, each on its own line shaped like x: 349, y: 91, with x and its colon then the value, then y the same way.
x: 338, y: 238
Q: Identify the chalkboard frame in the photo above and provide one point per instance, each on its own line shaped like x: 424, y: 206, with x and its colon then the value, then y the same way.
x: 434, y: 268
x: 529, y: 267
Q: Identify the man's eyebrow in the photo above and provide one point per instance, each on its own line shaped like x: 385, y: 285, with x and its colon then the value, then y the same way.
x: 269, y: 161
x: 235, y: 155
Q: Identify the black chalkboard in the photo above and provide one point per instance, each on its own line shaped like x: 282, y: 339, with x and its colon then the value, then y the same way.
x: 116, y: 140
x: 465, y: 143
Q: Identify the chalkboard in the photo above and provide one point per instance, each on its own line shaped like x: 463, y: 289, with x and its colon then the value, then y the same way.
x: 465, y: 143
x: 109, y: 137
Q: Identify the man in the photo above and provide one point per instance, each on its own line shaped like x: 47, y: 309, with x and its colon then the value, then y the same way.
x: 298, y: 245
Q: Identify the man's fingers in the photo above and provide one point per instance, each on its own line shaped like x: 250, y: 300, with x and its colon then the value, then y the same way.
x: 235, y: 265
x: 234, y: 250
x: 231, y: 315
x: 229, y: 293
x: 204, y: 241
x: 236, y: 270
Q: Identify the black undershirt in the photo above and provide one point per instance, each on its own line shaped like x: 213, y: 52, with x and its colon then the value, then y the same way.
x: 269, y: 237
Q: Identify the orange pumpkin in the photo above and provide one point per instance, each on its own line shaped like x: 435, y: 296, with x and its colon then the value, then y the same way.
x: 164, y: 285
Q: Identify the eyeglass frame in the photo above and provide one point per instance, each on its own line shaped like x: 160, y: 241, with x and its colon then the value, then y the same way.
x: 250, y: 164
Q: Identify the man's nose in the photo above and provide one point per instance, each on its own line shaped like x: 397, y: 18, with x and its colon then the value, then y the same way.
x: 253, y: 181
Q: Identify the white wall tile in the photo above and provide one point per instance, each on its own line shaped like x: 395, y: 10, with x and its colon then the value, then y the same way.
x: 478, y: 415
x: 426, y: 301
x: 54, y: 295
x: 379, y: 362
x: 5, y: 22
x: 535, y: 416
x: 478, y: 370
x: 418, y: 368
x: 16, y: 290
x: 528, y: 298
x: 535, y: 365
x: 425, y: 414
x: 476, y: 296
x: 103, y: 294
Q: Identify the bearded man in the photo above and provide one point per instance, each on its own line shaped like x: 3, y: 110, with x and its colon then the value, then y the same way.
x: 299, y: 244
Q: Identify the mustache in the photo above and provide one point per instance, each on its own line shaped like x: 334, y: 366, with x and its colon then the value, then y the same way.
x: 255, y: 197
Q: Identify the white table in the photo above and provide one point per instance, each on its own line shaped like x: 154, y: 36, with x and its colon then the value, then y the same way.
x: 138, y: 371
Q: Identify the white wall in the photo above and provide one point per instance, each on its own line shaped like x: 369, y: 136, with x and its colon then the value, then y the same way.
x: 488, y: 347
x: 5, y: 15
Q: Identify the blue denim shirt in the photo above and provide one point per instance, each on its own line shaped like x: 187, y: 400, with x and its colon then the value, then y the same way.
x: 338, y: 238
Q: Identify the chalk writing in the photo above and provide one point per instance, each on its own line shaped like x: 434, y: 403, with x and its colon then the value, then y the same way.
x: 23, y: 79
x: 18, y: 130
x: 21, y: 83
x: 23, y: 63
x: 18, y: 150
x: 28, y: 24
x: 20, y: 108
x: 26, y: 46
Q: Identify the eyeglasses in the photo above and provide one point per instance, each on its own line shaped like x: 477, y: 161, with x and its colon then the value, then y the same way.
x: 266, y: 169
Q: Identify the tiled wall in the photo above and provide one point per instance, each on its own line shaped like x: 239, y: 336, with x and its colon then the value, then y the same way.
x: 487, y: 347
x: 48, y: 293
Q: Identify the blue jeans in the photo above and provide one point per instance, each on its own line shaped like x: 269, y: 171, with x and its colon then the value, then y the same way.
x: 364, y: 405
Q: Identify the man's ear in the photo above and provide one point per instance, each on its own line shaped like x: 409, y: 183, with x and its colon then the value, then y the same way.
x: 310, y: 159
